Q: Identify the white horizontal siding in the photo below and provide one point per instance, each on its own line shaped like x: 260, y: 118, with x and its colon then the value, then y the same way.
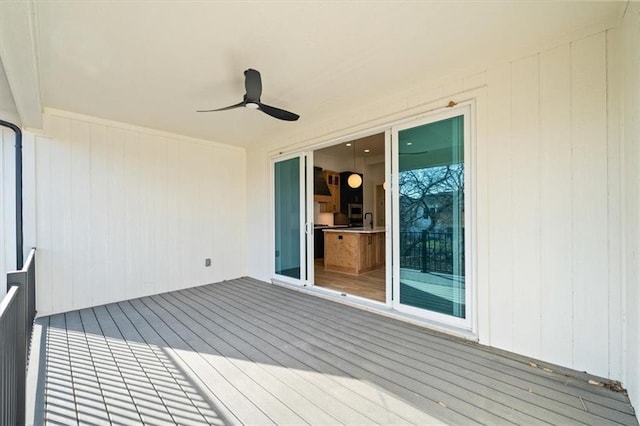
x: 122, y: 212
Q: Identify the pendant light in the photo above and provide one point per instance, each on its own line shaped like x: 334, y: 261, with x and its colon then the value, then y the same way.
x: 354, y: 180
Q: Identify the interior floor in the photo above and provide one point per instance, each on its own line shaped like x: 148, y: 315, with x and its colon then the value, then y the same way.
x: 370, y: 285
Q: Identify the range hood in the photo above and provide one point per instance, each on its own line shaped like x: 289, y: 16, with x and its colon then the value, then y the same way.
x: 319, y: 183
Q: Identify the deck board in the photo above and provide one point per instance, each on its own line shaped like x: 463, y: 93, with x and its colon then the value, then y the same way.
x: 512, y: 366
x: 493, y: 374
x: 246, y: 352
x: 249, y: 349
x: 305, y: 359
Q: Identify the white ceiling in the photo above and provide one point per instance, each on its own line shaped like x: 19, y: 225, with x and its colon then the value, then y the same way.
x: 153, y: 63
x: 370, y: 148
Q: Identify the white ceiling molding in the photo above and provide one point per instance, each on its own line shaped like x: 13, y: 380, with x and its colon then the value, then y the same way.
x: 18, y: 53
x: 49, y: 112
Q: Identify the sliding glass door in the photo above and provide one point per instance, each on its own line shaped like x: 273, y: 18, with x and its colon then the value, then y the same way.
x: 431, y: 253
x: 292, y: 240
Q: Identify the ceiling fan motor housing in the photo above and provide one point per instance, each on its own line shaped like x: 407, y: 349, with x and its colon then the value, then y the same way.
x: 251, y: 99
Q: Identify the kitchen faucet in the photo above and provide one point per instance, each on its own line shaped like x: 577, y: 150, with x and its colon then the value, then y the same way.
x: 371, y: 220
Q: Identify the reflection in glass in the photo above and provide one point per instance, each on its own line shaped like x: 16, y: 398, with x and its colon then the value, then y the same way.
x: 431, y: 203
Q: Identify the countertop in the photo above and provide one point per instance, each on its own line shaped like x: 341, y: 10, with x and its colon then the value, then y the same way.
x: 359, y: 230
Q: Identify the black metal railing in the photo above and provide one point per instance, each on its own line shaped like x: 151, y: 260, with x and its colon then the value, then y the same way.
x: 427, y: 251
x: 17, y: 311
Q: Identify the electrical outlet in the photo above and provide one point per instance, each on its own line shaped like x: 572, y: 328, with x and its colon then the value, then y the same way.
x: 207, y: 261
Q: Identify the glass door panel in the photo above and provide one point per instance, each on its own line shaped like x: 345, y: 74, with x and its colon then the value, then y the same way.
x: 287, y: 212
x: 293, y: 242
x: 431, y: 255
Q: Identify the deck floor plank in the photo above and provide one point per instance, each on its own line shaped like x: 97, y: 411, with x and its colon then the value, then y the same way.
x: 466, y: 374
x: 432, y: 383
x: 244, y: 410
x: 518, y: 367
x: 248, y: 346
x: 352, y: 364
x: 281, y: 345
x: 236, y: 374
x: 216, y: 340
x: 246, y: 352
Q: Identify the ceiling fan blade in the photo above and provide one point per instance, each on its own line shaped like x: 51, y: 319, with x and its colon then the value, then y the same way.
x: 253, y: 85
x: 241, y: 104
x: 278, y: 113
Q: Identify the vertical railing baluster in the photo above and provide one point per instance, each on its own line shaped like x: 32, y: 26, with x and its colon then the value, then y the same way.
x: 423, y: 255
x: 17, y: 312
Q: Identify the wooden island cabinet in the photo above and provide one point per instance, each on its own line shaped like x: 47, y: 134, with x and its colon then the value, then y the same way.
x: 354, y: 250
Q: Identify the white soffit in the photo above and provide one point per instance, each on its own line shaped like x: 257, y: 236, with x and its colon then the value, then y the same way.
x: 8, y: 110
x: 153, y: 63
x: 18, y: 55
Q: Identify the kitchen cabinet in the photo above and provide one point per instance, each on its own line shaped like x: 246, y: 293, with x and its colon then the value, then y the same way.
x: 381, y: 245
x: 318, y: 239
x: 354, y: 250
x: 367, y: 252
x: 321, y: 192
x: 331, y: 204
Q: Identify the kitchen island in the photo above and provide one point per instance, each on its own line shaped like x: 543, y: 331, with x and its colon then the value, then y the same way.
x: 354, y: 250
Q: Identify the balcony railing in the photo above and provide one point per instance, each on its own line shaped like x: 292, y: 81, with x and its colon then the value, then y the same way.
x: 427, y: 251
x: 17, y: 311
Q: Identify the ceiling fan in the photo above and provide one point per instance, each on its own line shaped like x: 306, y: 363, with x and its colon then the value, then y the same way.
x: 253, y: 86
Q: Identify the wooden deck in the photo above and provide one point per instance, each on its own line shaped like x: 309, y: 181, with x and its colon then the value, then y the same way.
x: 247, y: 352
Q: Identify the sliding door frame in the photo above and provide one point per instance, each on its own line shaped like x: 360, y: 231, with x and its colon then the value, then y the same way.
x: 467, y: 110
x: 305, y: 159
x: 440, y: 321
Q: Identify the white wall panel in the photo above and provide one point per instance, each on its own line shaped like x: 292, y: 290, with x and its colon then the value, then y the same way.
x: 80, y: 169
x: 147, y: 207
x: 124, y: 212
x: 589, y: 208
x: 159, y: 218
x: 499, y: 257
x: 116, y: 273
x: 135, y: 265
x: 614, y: 201
x: 525, y: 198
x: 44, y: 243
x: 177, y: 206
x: 482, y: 232
x: 234, y: 209
x: 551, y: 252
x: 630, y: 97
x: 60, y: 214
x: 99, y: 216
x: 556, y: 281
x: 259, y: 226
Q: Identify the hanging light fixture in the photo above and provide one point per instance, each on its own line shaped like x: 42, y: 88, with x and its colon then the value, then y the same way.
x: 354, y: 180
